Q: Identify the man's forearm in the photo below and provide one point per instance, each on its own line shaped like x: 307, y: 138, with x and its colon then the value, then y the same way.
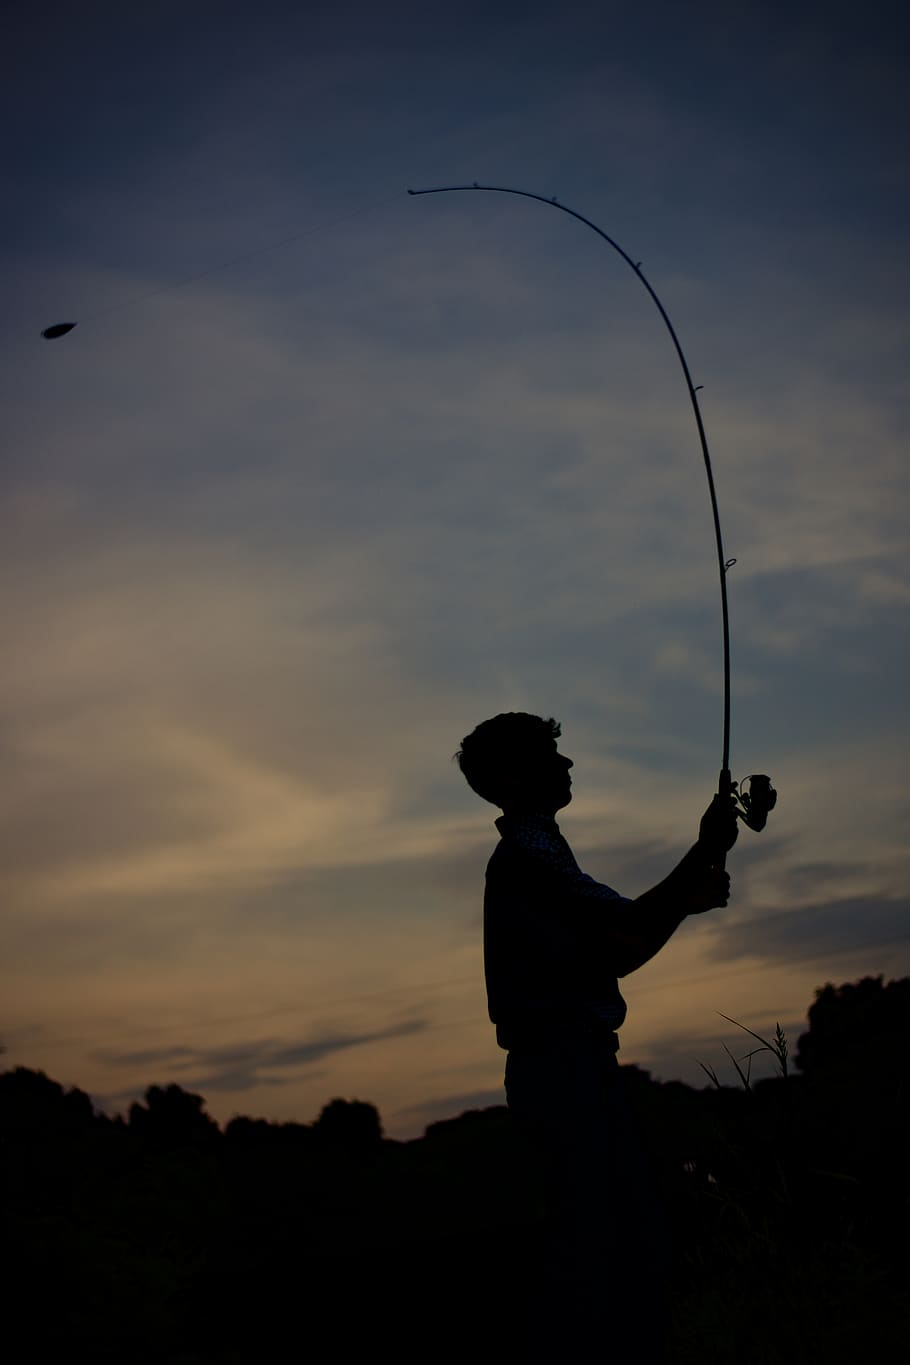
x: 656, y: 915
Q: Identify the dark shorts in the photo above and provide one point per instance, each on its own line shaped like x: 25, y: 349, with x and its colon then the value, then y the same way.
x: 605, y: 1271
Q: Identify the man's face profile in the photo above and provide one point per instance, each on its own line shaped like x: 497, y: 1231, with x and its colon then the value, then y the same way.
x: 539, y: 783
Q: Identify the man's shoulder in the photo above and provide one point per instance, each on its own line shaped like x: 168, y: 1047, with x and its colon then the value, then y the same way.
x: 505, y: 850
x: 501, y: 855
x: 512, y: 859
x: 543, y: 867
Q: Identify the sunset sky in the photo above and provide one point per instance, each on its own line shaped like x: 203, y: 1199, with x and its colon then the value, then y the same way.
x: 273, y: 541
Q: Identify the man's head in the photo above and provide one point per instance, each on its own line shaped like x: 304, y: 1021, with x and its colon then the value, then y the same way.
x: 512, y: 761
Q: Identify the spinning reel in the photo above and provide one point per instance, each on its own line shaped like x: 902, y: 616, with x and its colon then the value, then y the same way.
x: 753, y: 806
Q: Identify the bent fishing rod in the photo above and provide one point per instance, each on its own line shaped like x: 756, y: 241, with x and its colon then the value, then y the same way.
x: 754, y: 804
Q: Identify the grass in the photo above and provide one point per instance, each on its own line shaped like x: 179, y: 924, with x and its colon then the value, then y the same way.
x: 778, y: 1272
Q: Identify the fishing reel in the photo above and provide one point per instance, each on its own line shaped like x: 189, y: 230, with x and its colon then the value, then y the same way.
x: 754, y: 806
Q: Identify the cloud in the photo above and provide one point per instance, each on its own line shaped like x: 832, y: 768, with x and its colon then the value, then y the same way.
x: 245, y: 1066
x: 859, y: 925
x: 146, y: 1056
x: 805, y: 879
x: 450, y: 1106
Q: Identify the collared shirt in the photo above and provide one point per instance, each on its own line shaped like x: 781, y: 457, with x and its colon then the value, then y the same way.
x: 547, y: 940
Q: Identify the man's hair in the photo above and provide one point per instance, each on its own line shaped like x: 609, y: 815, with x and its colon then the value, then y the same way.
x: 494, y: 751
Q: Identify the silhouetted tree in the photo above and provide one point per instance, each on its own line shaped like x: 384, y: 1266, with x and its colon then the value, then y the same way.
x: 856, y: 1029
x: 349, y: 1125
x: 42, y: 1136
x: 32, y: 1106
x: 173, y: 1116
x: 248, y: 1132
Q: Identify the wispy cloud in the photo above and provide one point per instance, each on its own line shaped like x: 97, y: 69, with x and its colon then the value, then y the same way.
x: 450, y: 1106
x: 869, y: 924
x: 238, y: 1067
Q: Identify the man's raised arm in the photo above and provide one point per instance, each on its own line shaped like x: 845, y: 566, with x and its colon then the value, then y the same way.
x: 697, y: 883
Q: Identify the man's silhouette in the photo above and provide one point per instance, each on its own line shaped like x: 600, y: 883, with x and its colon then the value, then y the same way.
x: 555, y: 944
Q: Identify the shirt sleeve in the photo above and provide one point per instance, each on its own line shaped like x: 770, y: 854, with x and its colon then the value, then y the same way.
x: 551, y: 851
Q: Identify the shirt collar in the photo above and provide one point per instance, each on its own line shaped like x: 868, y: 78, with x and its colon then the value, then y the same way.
x: 512, y: 824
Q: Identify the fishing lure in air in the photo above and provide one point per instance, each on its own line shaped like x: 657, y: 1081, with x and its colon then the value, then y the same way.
x: 755, y: 804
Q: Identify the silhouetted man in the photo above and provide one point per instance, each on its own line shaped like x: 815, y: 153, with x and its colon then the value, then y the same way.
x: 555, y: 944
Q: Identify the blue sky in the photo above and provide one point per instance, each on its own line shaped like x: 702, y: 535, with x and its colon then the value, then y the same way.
x: 275, y: 540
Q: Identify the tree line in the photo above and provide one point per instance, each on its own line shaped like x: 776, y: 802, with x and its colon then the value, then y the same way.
x: 158, y: 1236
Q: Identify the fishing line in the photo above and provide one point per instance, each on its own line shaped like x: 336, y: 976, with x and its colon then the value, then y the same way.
x: 60, y: 329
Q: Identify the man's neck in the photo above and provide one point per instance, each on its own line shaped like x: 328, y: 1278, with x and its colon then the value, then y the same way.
x: 528, y: 813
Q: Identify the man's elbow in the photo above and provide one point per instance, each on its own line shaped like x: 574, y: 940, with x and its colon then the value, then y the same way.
x: 634, y: 954
x: 630, y: 961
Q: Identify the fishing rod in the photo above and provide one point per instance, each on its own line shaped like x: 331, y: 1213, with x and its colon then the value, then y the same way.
x: 754, y: 804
